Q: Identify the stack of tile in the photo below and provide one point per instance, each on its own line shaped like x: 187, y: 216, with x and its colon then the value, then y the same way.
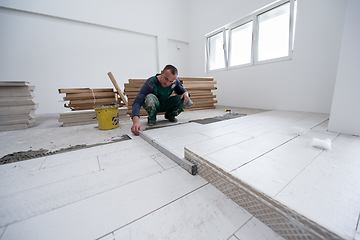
x: 84, y: 117
x: 86, y: 98
x: 17, y: 106
x: 82, y: 102
x: 200, y: 90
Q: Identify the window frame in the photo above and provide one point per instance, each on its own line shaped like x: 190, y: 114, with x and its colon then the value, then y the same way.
x: 207, y: 50
x: 226, y: 30
x: 233, y: 26
x: 291, y: 28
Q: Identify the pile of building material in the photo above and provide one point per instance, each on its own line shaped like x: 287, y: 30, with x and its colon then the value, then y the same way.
x: 17, y: 106
x: 83, y: 100
x: 85, y: 117
x: 87, y: 98
x: 200, y: 90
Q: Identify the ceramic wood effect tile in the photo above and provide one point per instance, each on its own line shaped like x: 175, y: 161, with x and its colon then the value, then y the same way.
x: 20, y: 182
x: 22, y: 167
x: 217, y: 143
x: 266, y: 175
x: 166, y: 133
x: 221, y: 131
x: 345, y: 148
x: 163, y: 161
x: 53, y: 195
x: 108, y: 160
x: 103, y: 213
x: 261, y: 129
x: 244, y: 152
x: 183, y: 140
x: 203, y: 214
x: 223, y: 124
x: 296, y: 153
x: 178, y: 151
x: 306, y: 124
x: 327, y: 192
x: 86, y: 153
x: 254, y: 229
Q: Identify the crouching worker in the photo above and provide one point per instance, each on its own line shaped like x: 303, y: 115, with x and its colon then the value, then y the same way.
x: 155, y: 97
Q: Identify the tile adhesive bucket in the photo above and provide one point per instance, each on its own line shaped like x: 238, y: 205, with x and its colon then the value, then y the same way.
x: 107, y: 116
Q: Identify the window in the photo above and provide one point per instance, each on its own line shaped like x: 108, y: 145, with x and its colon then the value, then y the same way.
x: 240, y: 44
x: 215, y: 48
x: 273, y: 38
x: 267, y: 35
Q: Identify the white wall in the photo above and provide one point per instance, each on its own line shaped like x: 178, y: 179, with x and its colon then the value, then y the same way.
x: 68, y: 44
x: 305, y: 83
x: 65, y: 43
x: 345, y: 110
x: 178, y: 54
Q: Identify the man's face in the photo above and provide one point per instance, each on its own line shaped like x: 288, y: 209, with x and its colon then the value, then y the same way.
x: 167, y: 78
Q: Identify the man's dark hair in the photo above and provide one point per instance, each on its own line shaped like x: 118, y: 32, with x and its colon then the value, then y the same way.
x: 172, y: 69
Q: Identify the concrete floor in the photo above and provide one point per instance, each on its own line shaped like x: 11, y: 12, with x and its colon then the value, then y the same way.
x: 129, y: 190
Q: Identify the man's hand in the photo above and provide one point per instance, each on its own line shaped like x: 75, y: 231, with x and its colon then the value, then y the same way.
x: 185, y: 96
x: 136, y: 125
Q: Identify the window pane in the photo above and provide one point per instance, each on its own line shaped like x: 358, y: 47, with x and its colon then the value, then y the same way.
x: 240, y: 40
x: 216, y: 51
x: 273, y: 40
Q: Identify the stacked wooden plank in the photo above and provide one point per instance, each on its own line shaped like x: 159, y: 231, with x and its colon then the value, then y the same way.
x: 83, y: 100
x: 200, y: 90
x: 17, y: 106
x: 84, y: 117
x: 87, y: 98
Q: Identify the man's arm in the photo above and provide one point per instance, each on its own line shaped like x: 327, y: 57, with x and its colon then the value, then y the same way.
x: 179, y: 89
x: 146, y: 88
x: 136, y: 127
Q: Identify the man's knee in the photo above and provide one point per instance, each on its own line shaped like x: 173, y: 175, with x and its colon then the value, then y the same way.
x: 151, y: 102
x: 180, y: 102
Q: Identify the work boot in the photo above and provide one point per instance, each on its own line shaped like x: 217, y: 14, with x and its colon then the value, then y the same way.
x: 171, y: 119
x: 151, y: 123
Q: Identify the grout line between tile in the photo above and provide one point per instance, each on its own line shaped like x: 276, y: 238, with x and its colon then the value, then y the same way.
x: 320, y: 123
x: 234, y: 237
x: 154, y: 158
x: 298, y: 173
x: 264, y: 153
x: 97, y: 157
x: 43, y: 163
x: 226, y: 146
x: 3, y: 232
x: 357, y: 224
x: 165, y: 205
x: 242, y: 227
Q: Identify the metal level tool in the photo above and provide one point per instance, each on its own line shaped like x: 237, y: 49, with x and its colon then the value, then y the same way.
x: 185, y: 164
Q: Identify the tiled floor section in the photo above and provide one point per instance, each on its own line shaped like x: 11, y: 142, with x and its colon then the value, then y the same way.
x: 271, y: 151
x: 125, y: 190
x: 128, y: 190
